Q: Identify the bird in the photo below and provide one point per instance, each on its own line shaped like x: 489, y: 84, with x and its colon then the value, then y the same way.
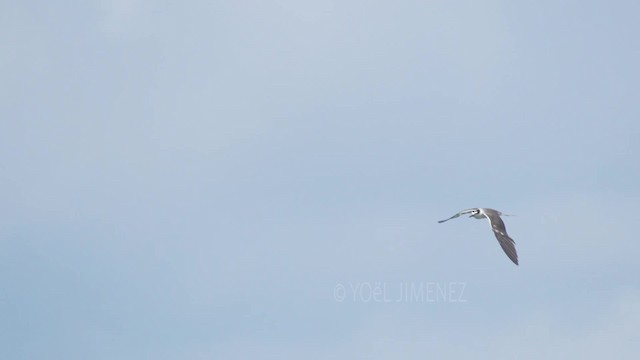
x: 497, y: 225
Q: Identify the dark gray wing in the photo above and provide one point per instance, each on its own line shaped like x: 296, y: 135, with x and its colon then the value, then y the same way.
x: 500, y: 231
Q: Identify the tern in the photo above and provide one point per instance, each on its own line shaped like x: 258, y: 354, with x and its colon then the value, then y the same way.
x: 497, y: 225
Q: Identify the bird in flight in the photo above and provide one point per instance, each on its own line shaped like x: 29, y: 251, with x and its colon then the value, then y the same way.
x: 497, y: 225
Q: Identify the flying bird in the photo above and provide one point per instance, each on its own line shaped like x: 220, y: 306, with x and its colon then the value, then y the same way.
x: 497, y: 225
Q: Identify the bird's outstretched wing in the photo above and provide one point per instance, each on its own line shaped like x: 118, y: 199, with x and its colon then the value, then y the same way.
x: 467, y: 211
x: 500, y: 231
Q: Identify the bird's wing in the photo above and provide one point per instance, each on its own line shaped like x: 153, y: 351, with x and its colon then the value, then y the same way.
x: 500, y: 231
x: 467, y: 211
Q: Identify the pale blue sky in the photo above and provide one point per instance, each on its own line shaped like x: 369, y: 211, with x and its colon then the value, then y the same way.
x: 192, y: 180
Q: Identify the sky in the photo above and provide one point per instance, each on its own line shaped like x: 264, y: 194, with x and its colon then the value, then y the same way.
x: 263, y: 179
